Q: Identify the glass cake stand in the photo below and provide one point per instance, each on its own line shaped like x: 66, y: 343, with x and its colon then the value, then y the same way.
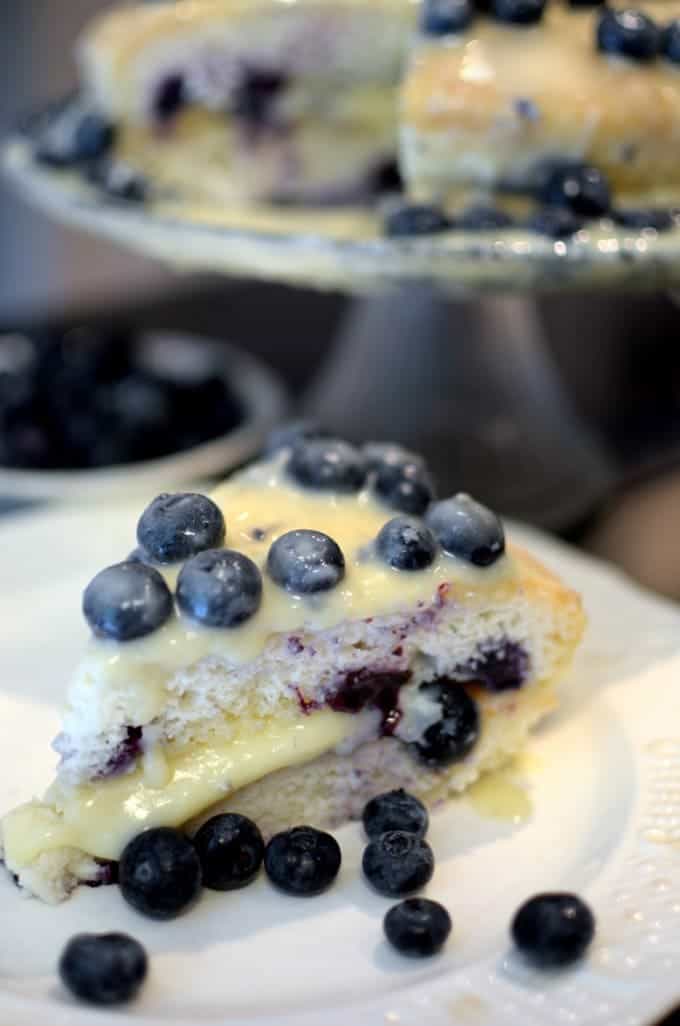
x: 472, y: 384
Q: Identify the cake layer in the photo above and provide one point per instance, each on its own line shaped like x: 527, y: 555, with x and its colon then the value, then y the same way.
x: 484, y: 108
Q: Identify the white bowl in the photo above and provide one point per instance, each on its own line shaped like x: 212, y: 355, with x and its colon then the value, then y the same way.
x: 263, y: 400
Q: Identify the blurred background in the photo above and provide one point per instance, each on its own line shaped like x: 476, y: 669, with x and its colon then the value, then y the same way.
x: 608, y: 366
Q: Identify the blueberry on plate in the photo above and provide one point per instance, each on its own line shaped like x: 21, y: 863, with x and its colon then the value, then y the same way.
x: 302, y: 861
x: 405, y: 543
x: 450, y: 738
x: 304, y: 562
x: 160, y: 873
x: 219, y: 588
x: 286, y: 436
x: 483, y: 218
x: 553, y: 930
x: 104, y: 968
x: 417, y: 927
x: 175, y: 527
x: 467, y: 529
x: 415, y: 219
x: 628, y: 33
x: 580, y: 188
x: 658, y: 218
x: 327, y: 465
x: 231, y: 850
x: 75, y: 135
x: 404, y: 486
x: 398, y: 863
x: 518, y: 12
x: 445, y: 17
x: 395, y: 810
x: 127, y: 601
x: 555, y: 222
x: 670, y: 41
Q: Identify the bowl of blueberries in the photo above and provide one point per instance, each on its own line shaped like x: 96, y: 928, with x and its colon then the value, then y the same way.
x: 93, y: 414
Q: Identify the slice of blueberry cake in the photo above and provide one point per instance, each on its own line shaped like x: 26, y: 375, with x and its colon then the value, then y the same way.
x: 222, y: 100
x: 319, y: 631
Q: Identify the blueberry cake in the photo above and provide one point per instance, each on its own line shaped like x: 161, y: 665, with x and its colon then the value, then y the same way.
x: 233, y: 99
x: 321, y: 630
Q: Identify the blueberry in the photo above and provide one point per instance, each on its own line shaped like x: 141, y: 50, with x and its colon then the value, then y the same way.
x: 415, y: 219
x: 138, y: 555
x: 518, y: 12
x: 219, y: 588
x: 127, y: 601
x: 76, y: 135
x: 581, y: 189
x: 404, y: 486
x: 651, y: 217
x: 104, y: 968
x: 119, y: 180
x: 175, y: 527
x: 378, y: 454
x: 302, y: 861
x: 160, y: 873
x: 169, y: 97
x: 395, y: 810
x: 555, y: 222
x: 231, y: 849
x: 286, y: 436
x: 553, y: 930
x: 482, y: 218
x: 417, y: 926
x: 406, y: 544
x: 628, y: 33
x: 446, y: 17
x: 398, y: 863
x: 449, y: 739
x: 466, y: 529
x: 304, y: 562
x: 670, y: 41
x: 327, y: 465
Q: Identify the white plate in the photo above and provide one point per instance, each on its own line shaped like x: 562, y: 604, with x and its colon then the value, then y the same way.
x: 345, y: 248
x: 604, y: 785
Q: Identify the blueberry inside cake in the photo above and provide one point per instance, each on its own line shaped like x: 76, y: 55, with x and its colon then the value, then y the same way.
x: 320, y: 630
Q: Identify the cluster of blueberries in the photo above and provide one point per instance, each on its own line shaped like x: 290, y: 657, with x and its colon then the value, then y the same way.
x: 220, y: 587
x: 161, y: 873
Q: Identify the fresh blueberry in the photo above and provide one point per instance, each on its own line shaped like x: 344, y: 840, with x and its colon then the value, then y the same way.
x: 398, y: 863
x: 127, y: 601
x: 555, y: 222
x: 417, y: 927
x: 377, y: 454
x: 231, y: 850
x: 169, y: 97
x: 395, y: 810
x: 304, y: 562
x: 119, y: 180
x: 104, y: 968
x: 581, y: 189
x: 628, y: 33
x: 446, y: 17
x: 449, y: 739
x: 302, y: 861
x: 175, y: 527
x: 160, y: 873
x: 659, y: 219
x: 553, y: 930
x: 404, y: 486
x: 518, y: 12
x: 406, y: 544
x: 415, y: 219
x: 670, y: 41
x: 219, y: 588
x: 482, y: 218
x: 286, y: 436
x: 76, y: 135
x: 327, y: 465
x: 466, y: 529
